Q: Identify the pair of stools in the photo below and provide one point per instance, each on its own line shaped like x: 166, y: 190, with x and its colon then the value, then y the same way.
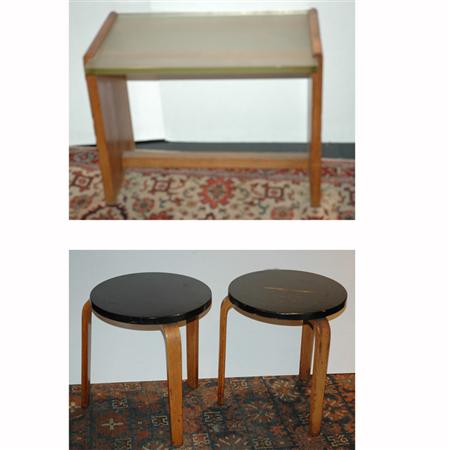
x: 167, y: 301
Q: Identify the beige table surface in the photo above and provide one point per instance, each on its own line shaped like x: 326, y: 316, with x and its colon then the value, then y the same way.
x: 161, y: 45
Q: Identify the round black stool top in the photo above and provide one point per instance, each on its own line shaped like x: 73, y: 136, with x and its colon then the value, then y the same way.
x: 150, y: 298
x: 287, y: 294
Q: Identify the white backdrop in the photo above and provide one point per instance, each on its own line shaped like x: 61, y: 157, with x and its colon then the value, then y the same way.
x: 254, y: 348
x: 224, y: 110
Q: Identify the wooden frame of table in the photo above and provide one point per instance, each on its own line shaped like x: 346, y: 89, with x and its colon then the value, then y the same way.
x: 108, y: 94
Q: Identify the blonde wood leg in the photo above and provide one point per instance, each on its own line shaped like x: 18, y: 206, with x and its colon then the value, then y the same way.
x: 225, y: 307
x: 315, y: 155
x: 171, y: 335
x: 306, y: 351
x: 319, y: 379
x: 85, y: 353
x: 192, y: 353
x: 316, y: 109
x: 113, y: 129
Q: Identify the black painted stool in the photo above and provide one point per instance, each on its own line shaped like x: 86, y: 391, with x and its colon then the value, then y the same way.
x: 288, y: 297
x: 149, y: 301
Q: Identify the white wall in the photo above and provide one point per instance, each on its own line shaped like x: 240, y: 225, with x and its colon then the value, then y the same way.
x: 85, y: 19
x: 224, y: 110
x: 254, y: 348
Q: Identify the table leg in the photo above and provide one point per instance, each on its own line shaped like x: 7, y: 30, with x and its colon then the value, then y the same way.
x: 319, y: 379
x: 192, y: 353
x: 113, y: 129
x: 225, y: 307
x: 171, y: 335
x: 315, y: 153
x: 85, y: 352
x: 306, y: 351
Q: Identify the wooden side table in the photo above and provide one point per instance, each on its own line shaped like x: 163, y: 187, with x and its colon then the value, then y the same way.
x: 288, y: 297
x: 198, y: 46
x: 149, y: 301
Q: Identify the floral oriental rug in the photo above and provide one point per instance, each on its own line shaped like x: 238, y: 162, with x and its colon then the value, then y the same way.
x: 258, y: 413
x: 210, y: 193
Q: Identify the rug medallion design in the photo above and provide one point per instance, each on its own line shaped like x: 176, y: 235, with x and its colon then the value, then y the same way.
x: 210, y: 193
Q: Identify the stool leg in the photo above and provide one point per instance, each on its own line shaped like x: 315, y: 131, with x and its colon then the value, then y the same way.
x: 306, y: 351
x: 85, y: 353
x: 192, y: 353
x: 319, y: 379
x: 171, y: 335
x: 225, y: 307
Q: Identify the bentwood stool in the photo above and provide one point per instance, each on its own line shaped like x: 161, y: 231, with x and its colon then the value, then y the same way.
x: 288, y: 297
x: 150, y: 301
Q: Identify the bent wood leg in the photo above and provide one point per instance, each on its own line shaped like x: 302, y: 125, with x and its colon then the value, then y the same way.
x: 319, y: 379
x: 315, y: 152
x: 172, y: 339
x: 85, y: 352
x: 306, y: 351
x: 225, y: 307
x: 110, y: 108
x: 192, y: 353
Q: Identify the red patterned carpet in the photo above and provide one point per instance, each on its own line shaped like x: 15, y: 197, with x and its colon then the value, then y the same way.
x: 210, y: 193
x: 258, y: 413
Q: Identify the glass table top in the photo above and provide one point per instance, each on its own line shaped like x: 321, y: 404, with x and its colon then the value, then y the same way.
x: 178, y: 45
